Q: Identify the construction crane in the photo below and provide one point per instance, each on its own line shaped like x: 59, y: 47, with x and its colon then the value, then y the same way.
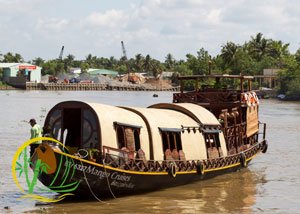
x: 54, y: 79
x: 61, y: 54
x: 131, y: 77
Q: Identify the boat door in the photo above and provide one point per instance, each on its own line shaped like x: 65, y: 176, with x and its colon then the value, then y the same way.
x: 76, y: 126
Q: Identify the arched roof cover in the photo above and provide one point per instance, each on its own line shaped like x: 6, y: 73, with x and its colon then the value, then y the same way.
x: 197, y: 112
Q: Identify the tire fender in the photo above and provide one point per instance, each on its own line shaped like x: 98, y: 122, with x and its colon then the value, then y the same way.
x: 200, y: 168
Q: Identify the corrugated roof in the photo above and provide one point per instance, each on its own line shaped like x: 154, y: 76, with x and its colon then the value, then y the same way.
x: 9, y: 65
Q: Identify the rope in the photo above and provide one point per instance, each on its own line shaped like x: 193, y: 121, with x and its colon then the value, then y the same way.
x: 88, y: 182
x: 107, y: 180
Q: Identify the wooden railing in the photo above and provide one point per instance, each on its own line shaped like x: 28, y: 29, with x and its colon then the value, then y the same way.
x: 208, y: 96
x: 181, y: 165
x: 234, y: 137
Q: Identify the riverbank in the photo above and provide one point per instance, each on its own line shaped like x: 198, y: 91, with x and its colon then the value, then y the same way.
x: 94, y: 87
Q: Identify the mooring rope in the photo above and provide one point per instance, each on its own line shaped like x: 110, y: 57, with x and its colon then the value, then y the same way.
x: 108, y: 180
x: 88, y: 182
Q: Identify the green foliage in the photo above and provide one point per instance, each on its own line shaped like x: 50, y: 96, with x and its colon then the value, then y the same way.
x: 10, y: 58
x: 84, y: 67
x: 293, y: 89
x: 250, y: 58
x: 1, y: 73
x: 49, y: 68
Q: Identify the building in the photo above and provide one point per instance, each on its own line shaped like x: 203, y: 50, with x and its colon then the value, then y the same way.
x: 25, y: 71
x: 271, y: 71
x: 104, y: 72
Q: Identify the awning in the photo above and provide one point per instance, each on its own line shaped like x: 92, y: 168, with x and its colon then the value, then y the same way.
x: 211, y: 131
x: 127, y: 125
x: 170, y: 130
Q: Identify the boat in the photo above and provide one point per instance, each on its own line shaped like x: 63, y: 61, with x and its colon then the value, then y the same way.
x: 110, y: 151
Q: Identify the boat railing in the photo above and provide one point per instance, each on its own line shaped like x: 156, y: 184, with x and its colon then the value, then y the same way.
x: 208, y: 96
x: 123, y: 153
x: 262, y: 127
x: 142, y: 165
x: 234, y: 136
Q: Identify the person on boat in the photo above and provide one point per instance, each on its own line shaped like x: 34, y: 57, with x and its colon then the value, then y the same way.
x: 35, y: 131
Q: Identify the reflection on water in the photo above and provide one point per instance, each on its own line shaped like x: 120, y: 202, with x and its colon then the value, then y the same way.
x: 270, y: 184
x: 226, y: 193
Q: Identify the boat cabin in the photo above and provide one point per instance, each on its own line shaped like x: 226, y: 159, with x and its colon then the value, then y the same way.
x: 182, y: 131
x: 236, y: 107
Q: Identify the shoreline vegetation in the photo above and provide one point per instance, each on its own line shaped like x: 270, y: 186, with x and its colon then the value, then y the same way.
x: 250, y: 58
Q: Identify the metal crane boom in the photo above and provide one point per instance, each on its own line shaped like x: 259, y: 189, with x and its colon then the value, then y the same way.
x: 61, y: 53
x: 125, y: 56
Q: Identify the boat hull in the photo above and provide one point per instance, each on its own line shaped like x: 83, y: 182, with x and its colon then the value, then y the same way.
x: 89, y: 179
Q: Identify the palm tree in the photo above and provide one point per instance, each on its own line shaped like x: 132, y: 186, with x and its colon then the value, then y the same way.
x: 258, y: 46
x: 147, y: 64
x: 18, y: 58
x: 278, y: 50
x: 228, y: 52
x: 38, y: 61
x: 69, y: 60
x: 112, y: 63
x: 170, y: 62
x: 91, y: 60
x: 138, y: 62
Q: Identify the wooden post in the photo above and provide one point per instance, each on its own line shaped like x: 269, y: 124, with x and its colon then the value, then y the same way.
x: 210, y: 65
x: 181, y: 86
x: 249, y: 85
x: 197, y: 90
x: 242, y: 86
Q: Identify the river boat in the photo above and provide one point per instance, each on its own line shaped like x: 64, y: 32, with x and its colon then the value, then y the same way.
x: 111, y: 151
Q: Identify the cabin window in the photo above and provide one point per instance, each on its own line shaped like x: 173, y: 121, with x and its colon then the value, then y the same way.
x: 213, y: 145
x: 128, y: 136
x: 171, y: 140
x: 89, y: 130
x: 121, y: 137
x: 54, y: 127
x: 137, y: 140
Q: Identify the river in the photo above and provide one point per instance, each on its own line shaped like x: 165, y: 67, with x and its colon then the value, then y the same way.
x: 271, y: 183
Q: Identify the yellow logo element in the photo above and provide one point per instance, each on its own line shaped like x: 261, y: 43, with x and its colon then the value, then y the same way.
x: 45, y: 162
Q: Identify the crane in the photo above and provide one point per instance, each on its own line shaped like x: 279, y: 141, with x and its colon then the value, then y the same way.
x: 61, y: 54
x: 131, y: 78
x: 54, y: 78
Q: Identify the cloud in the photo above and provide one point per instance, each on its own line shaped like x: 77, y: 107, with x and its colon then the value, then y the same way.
x: 156, y: 27
x: 51, y: 24
x: 111, y: 19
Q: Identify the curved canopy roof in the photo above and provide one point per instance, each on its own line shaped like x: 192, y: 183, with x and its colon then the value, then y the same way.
x: 197, y: 112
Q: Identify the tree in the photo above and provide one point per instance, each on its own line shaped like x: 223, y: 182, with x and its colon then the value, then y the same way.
x: 49, y: 68
x: 38, y: 61
x: 228, y: 53
x: 279, y: 50
x: 169, y: 61
x: 91, y: 60
x: 69, y: 60
x: 9, y: 58
x: 84, y: 67
x: 258, y: 47
x: 138, y: 63
x: 199, y: 64
x: 147, y: 64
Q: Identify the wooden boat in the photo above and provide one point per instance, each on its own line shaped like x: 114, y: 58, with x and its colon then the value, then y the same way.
x: 114, y: 151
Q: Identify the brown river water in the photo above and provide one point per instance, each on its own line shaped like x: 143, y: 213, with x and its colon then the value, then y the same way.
x: 270, y: 184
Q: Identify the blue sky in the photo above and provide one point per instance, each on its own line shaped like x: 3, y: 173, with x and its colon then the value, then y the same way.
x: 157, y: 27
